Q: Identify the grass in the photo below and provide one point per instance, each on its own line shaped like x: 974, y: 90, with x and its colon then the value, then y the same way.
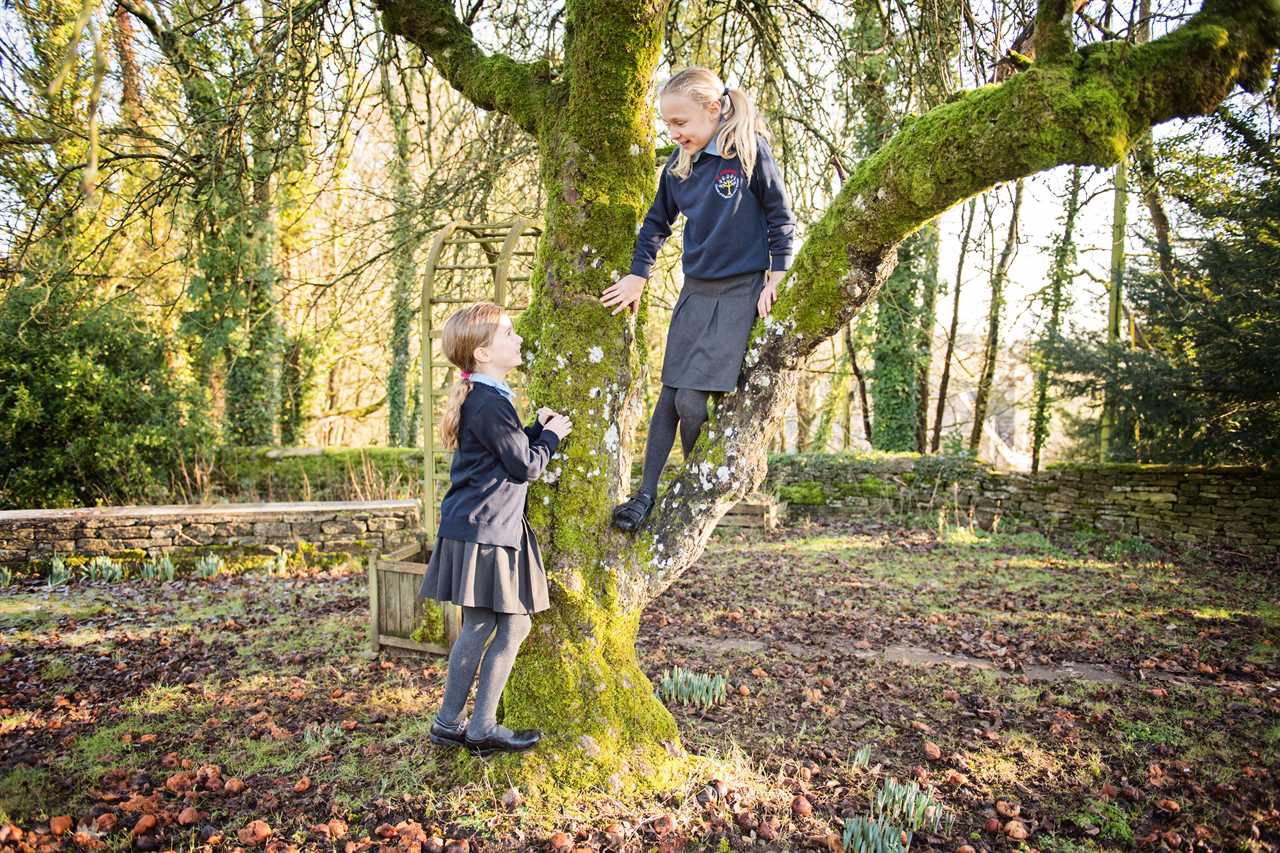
x: 26, y: 794
x: 34, y: 610
x: 1109, y: 820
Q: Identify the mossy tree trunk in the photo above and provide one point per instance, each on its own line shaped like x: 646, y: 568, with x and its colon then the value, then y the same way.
x: 945, y: 380
x: 1060, y: 275
x: 1115, y: 289
x: 578, y: 677
x: 402, y: 263
x: 233, y: 322
x: 253, y: 373
x: 924, y: 344
x: 896, y: 388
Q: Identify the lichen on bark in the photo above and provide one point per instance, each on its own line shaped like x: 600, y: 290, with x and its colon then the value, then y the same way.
x: 577, y: 677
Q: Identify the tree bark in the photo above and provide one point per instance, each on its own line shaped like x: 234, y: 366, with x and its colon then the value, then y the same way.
x: 895, y: 392
x: 577, y: 677
x: 991, y: 353
x: 863, y: 405
x: 924, y: 344
x: 1060, y: 277
x: 1147, y: 179
x: 945, y: 379
x: 1119, y: 227
x: 402, y: 265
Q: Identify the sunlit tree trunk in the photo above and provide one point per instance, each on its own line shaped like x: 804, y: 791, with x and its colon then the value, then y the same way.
x: 577, y: 677
x: 991, y: 352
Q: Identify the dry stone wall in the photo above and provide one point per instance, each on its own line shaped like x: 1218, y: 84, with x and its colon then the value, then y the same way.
x: 352, y: 526
x: 1230, y: 507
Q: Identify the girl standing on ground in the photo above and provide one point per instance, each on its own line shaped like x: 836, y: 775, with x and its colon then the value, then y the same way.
x: 737, y: 247
x: 486, y: 558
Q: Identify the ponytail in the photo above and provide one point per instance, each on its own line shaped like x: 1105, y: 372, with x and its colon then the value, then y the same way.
x: 738, y: 131
x: 465, y: 330
x: 451, y: 419
x: 740, y: 123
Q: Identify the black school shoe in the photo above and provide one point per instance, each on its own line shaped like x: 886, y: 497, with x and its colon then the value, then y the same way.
x: 518, y: 742
x: 630, y: 515
x: 444, y: 736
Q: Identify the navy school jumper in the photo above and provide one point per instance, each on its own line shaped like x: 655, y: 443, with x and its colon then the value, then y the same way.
x: 489, y: 478
x: 729, y: 230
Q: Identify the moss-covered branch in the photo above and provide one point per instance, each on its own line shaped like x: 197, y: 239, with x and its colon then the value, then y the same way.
x: 1084, y: 110
x: 490, y: 81
x: 1084, y: 107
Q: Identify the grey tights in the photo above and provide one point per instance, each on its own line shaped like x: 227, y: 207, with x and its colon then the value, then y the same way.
x: 477, y: 624
x: 685, y: 405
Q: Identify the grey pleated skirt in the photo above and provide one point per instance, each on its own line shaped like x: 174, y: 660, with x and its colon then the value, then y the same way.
x: 709, y: 329
x: 502, y: 579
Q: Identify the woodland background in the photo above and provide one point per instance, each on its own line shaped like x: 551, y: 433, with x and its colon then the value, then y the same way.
x: 214, y: 216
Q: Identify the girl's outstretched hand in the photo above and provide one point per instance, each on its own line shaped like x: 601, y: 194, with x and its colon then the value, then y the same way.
x: 623, y: 293
x: 770, y: 293
x: 545, y: 413
x: 560, y: 425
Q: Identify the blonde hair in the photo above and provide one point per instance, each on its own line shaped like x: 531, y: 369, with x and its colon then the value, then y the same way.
x: 742, y: 121
x: 464, y: 331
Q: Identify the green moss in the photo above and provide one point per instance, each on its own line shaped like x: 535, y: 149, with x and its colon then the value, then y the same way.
x: 578, y: 679
x: 870, y: 486
x: 1109, y: 820
x: 1138, y: 731
x: 803, y: 494
x: 25, y: 794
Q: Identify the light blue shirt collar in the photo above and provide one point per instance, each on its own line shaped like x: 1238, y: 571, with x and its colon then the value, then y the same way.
x: 497, y: 384
x: 711, y: 147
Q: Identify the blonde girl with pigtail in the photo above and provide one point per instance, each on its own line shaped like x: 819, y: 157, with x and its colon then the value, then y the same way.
x: 486, y: 557
x: 737, y: 247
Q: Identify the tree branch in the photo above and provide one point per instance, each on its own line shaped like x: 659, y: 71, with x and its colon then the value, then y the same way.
x: 1051, y: 27
x: 1052, y: 40
x: 491, y: 82
x: 1086, y: 109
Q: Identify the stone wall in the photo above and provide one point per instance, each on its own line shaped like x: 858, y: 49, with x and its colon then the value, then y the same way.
x: 1233, y: 507
x: 352, y: 526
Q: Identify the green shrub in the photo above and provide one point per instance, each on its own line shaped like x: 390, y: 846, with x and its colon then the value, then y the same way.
x: 90, y: 410
x: 431, y: 628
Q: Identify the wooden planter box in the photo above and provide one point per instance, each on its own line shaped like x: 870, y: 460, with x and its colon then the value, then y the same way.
x: 754, y: 512
x: 396, y: 610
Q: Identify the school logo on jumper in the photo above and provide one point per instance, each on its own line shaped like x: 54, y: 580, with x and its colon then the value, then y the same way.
x: 727, y: 182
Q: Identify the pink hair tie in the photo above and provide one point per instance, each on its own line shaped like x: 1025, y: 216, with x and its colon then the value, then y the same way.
x: 466, y: 376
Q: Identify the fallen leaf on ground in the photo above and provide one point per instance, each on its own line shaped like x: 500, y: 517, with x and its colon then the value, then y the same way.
x: 255, y: 833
